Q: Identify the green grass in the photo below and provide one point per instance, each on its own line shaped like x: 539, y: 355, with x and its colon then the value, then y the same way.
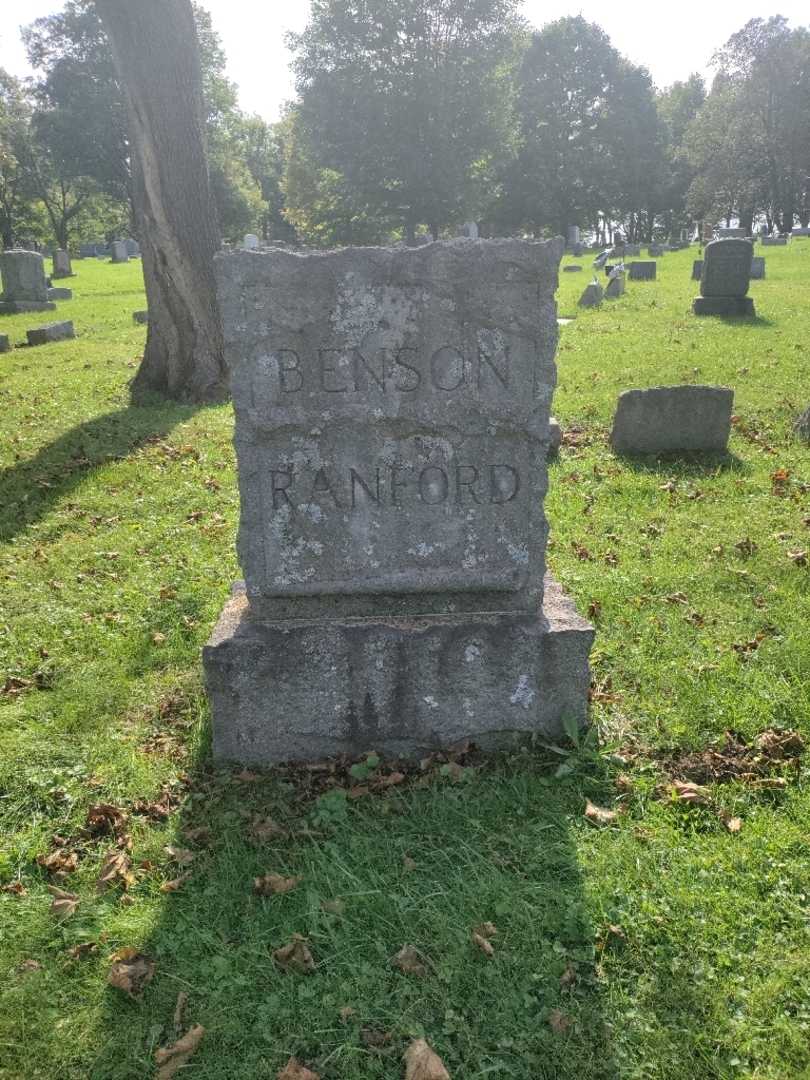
x: 689, y: 944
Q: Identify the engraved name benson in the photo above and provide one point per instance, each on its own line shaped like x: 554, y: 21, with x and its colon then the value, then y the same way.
x: 342, y: 371
x: 394, y: 485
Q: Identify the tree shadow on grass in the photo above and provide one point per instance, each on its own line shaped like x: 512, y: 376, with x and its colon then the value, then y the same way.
x: 412, y: 865
x: 29, y: 489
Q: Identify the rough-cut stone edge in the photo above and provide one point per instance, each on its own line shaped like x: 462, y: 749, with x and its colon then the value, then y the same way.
x: 18, y: 307
x: 565, y: 639
x: 734, y: 306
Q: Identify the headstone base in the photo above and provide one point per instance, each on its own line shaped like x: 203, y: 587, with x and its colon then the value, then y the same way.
x: 723, y: 305
x: 294, y: 690
x: 15, y: 307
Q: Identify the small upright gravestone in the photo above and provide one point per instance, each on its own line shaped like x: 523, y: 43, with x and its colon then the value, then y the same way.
x: 655, y: 251
x: 757, y: 268
x: 5, y: 343
x: 57, y: 293
x: 392, y: 429
x: 725, y: 279
x: 643, y: 271
x: 25, y: 286
x: 133, y: 248
x: 669, y: 419
x: 735, y: 233
x: 119, y: 252
x: 61, y: 264
x: 697, y: 269
x: 250, y: 242
x: 615, y: 287
x: 593, y: 295
x: 55, y: 331
x: 573, y: 236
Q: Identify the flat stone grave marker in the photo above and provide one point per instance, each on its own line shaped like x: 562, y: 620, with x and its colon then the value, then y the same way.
x: 669, y: 419
x: 735, y: 233
x: 55, y: 331
x: 725, y: 279
x: 58, y: 293
x: 392, y: 429
x: 643, y: 271
x: 25, y: 286
x: 774, y: 241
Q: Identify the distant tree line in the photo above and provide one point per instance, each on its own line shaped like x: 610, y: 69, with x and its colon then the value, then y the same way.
x: 414, y: 116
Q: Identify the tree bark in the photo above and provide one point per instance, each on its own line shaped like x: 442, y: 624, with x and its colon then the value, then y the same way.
x: 156, y: 54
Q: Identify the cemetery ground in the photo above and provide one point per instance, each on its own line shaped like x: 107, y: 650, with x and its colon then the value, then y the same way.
x: 664, y: 937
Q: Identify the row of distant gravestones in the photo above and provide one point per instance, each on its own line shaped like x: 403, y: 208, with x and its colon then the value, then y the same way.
x: 724, y: 273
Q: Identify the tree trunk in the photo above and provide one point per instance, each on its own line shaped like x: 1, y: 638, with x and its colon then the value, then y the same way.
x: 156, y: 54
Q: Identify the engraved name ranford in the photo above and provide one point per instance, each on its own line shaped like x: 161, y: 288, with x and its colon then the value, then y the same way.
x: 405, y: 369
x: 394, y: 485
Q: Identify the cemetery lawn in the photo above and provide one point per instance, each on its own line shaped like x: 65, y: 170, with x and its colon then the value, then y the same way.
x: 668, y: 941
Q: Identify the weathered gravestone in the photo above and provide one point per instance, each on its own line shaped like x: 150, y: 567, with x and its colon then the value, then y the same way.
x: 632, y: 249
x: 774, y: 241
x: 5, y: 343
x: 55, y: 331
x: 615, y: 287
x: 643, y: 271
x: 801, y: 231
x: 801, y: 426
x: 57, y: 293
x: 554, y: 436
x: 392, y: 428
x: 668, y: 419
x: 593, y: 295
x: 119, y: 252
x: 141, y: 316
x: 25, y: 286
x: 697, y: 269
x: 250, y: 242
x: 61, y: 264
x: 133, y: 247
x: 655, y: 251
x: 725, y: 279
x: 735, y: 233
x: 757, y: 268
x: 573, y: 236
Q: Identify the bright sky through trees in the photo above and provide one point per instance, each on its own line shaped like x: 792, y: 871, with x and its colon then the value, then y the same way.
x: 671, y: 40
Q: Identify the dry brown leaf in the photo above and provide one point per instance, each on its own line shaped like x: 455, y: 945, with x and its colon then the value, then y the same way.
x: 558, y: 1021
x: 598, y: 815
x: 131, y: 971
x: 733, y: 824
x: 346, y: 1013
x: 115, y: 869
x: 295, y: 956
x: 798, y: 557
x: 199, y: 834
x: 271, y: 884
x: 84, y: 948
x: 182, y: 856
x: 780, y: 744
x: 59, y: 863
x: 63, y: 904
x: 294, y: 1070
x: 408, y: 863
x: 423, y: 1063
x: 175, y: 883
x: 247, y: 776
x: 105, y: 818
x: 16, y: 888
x: 689, y: 793
x: 568, y: 977
x: 483, y: 944
x: 171, y: 1059
x: 27, y: 967
x: 408, y: 960
x: 179, y: 1009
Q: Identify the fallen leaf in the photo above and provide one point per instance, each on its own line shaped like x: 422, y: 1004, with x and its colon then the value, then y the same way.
x: 558, y: 1021
x: 271, y: 884
x: 200, y: 834
x: 423, y: 1063
x: 114, y: 870
x: 84, y: 948
x: 179, y: 1009
x: 63, y: 904
x: 346, y: 1013
x: 267, y: 829
x: 798, y: 557
x: 746, y: 547
x: 131, y: 971
x: 780, y: 745
x: 408, y: 863
x: 689, y: 793
x: 374, y: 1038
x: 408, y: 961
x: 59, y: 862
x: 598, y: 814
x: 294, y: 1070
x: 568, y: 977
x: 28, y: 966
x: 483, y: 944
x: 175, y: 883
x: 16, y: 888
x: 105, y: 818
x: 247, y: 776
x: 182, y: 856
x: 295, y: 956
x: 172, y: 1058
x: 733, y: 824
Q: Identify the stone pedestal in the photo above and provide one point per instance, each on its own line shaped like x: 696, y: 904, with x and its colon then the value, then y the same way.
x: 392, y: 432
x: 723, y: 305
x: 404, y: 685
x: 16, y: 307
